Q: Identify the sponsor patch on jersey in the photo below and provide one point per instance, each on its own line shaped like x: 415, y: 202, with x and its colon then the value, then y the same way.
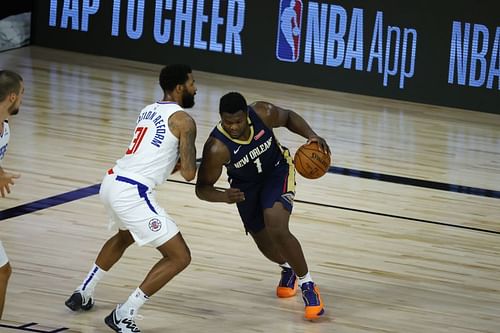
x: 259, y: 135
x: 154, y: 225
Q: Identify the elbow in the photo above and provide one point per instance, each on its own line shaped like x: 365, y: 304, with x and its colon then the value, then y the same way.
x: 202, y: 192
x: 188, y: 174
x: 198, y: 192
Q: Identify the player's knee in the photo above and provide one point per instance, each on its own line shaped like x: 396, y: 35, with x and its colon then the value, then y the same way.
x: 124, y: 239
x: 5, y: 272
x: 181, y: 259
x: 184, y: 260
x: 277, y: 230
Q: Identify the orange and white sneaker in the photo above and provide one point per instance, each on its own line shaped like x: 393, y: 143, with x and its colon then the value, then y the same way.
x: 312, y: 301
x: 288, y: 284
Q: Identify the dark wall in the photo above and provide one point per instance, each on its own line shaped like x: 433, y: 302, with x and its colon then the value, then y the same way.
x: 10, y: 7
x: 438, y: 52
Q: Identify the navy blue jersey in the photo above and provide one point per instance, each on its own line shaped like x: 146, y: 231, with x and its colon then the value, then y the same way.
x: 254, y: 159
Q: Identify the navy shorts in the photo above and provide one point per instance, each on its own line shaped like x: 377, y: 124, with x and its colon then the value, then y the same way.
x: 277, y: 186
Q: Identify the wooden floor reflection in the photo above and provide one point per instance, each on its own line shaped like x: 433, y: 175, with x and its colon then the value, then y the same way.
x: 388, y: 257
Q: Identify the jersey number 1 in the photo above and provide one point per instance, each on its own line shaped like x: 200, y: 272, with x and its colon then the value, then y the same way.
x: 139, y: 135
x: 258, y: 164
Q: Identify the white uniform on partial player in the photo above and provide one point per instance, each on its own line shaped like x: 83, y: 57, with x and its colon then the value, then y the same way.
x: 4, y: 141
x: 128, y: 188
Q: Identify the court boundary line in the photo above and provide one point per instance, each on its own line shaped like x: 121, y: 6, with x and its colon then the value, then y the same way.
x: 415, y: 182
x: 94, y: 189
x: 26, y: 328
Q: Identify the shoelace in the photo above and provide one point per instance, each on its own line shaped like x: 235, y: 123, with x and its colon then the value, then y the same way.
x: 130, y: 322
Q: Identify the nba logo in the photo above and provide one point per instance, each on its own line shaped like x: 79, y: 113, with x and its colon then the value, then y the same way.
x: 289, y: 29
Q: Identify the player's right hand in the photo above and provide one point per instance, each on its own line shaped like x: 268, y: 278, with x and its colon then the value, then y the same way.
x: 7, y: 179
x: 234, y: 195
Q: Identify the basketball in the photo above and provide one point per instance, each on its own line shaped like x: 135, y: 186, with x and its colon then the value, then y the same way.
x: 310, y: 162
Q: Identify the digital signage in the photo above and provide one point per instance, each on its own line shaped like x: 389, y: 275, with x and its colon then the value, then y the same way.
x: 444, y: 53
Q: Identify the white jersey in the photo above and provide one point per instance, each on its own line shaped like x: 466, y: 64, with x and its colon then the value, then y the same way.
x: 154, y: 150
x: 4, y: 140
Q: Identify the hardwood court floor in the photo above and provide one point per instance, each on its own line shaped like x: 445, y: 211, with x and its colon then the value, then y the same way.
x: 388, y: 257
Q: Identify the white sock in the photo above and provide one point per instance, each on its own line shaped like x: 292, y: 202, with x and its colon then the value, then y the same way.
x: 305, y: 278
x: 285, y: 265
x: 88, y: 285
x: 132, y: 305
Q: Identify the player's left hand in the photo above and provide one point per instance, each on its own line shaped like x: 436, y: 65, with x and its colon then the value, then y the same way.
x: 7, y: 179
x: 323, y: 146
x: 234, y: 195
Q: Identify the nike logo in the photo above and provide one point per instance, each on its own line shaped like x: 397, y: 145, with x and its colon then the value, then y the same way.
x: 237, y: 149
x: 277, y: 163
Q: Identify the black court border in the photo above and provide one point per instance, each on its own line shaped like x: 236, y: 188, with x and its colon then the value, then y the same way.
x: 94, y: 189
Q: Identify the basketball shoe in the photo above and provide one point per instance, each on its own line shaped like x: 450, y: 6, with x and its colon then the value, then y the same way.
x: 79, y: 301
x: 312, y: 300
x: 122, y: 325
x: 287, y: 286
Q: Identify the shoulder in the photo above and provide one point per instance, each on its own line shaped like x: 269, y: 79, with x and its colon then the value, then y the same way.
x: 181, y: 118
x: 215, y: 149
x: 180, y: 122
x: 265, y: 111
x: 215, y: 145
x: 261, y: 108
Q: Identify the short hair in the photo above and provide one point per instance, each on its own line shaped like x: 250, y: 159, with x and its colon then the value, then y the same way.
x: 10, y: 82
x: 172, y: 75
x: 232, y: 102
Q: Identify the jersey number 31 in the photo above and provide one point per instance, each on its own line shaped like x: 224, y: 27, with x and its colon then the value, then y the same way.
x: 136, y: 141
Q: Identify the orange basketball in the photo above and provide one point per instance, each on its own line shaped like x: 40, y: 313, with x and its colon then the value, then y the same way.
x: 310, y: 162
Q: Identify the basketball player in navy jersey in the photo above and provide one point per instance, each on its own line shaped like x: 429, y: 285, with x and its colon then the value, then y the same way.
x: 163, y: 135
x: 11, y: 95
x: 262, y: 184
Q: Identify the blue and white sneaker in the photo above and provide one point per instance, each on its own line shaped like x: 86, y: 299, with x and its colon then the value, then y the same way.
x: 123, y: 325
x: 78, y: 301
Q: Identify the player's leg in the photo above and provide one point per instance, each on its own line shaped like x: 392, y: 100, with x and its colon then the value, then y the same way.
x: 115, y: 196
x: 5, y: 272
x: 113, y: 249
x: 176, y: 257
x: 277, y: 202
x: 266, y: 246
x: 110, y: 253
x: 287, y: 286
x: 252, y: 216
x: 154, y: 227
x: 277, y: 220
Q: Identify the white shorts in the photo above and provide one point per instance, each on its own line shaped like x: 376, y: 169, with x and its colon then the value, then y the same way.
x: 132, y: 206
x: 3, y: 256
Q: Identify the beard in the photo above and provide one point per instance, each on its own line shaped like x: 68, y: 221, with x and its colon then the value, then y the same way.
x: 187, y: 100
x: 14, y: 111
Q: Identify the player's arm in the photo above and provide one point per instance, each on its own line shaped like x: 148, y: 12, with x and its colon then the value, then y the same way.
x: 6, y: 179
x: 215, y: 155
x: 184, y: 127
x: 275, y: 116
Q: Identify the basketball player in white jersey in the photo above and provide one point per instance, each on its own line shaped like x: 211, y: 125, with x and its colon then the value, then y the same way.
x: 164, y: 135
x: 11, y: 95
